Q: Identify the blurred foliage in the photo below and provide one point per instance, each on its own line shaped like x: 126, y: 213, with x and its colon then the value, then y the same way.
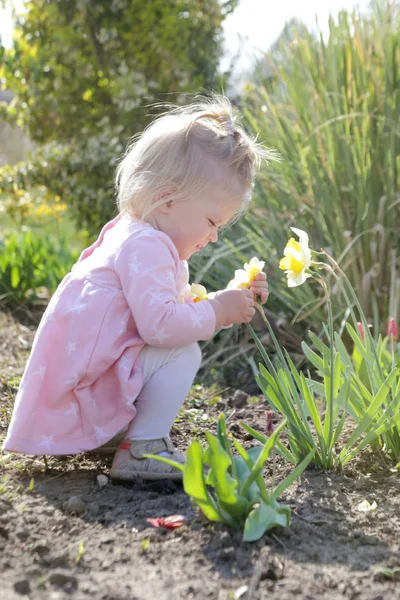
x: 84, y: 73
x: 31, y: 266
x: 21, y: 205
x: 332, y: 109
x: 75, y: 62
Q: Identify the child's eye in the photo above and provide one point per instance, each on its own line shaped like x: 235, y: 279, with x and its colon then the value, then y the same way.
x: 211, y: 223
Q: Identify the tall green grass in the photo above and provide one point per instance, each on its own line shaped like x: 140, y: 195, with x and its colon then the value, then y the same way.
x: 332, y: 109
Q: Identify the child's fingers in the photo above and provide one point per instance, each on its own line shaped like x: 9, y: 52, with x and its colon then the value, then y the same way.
x: 260, y: 288
x: 258, y: 285
x: 260, y: 277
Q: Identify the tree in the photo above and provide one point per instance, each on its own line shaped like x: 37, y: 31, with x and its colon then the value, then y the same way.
x: 84, y: 73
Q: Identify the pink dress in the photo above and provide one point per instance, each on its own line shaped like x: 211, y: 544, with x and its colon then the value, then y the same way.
x: 83, y: 374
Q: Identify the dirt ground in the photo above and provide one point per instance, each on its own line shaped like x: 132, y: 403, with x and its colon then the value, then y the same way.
x: 62, y: 536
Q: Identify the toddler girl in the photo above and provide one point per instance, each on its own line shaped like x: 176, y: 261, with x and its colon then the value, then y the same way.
x: 117, y: 346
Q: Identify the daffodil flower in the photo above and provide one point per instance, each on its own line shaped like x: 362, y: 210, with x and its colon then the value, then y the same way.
x: 243, y: 277
x: 197, y: 292
x: 297, y: 259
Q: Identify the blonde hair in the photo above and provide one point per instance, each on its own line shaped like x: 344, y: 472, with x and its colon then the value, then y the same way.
x: 173, y: 158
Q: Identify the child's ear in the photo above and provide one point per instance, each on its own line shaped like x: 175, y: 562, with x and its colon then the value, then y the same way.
x: 166, y: 206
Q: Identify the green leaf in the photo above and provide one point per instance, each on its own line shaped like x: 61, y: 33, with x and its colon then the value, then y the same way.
x: 225, y: 485
x: 372, y: 411
x: 259, y: 464
x: 295, y: 474
x: 283, y: 451
x: 194, y: 482
x: 244, y: 464
x: 264, y: 517
x: 167, y: 461
x: 195, y: 486
x: 15, y: 277
x: 313, y: 357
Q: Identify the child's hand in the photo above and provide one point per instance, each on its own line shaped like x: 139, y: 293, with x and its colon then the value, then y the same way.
x: 259, y: 286
x: 233, y: 306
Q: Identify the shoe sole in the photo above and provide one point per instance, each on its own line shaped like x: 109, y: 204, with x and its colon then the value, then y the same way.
x: 146, y: 475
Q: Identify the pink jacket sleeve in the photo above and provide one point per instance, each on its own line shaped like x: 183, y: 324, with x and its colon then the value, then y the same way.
x: 147, y: 267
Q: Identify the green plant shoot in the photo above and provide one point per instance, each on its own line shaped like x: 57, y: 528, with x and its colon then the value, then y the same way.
x: 229, y: 488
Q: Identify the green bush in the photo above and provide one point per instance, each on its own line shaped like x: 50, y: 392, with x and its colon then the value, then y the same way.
x: 84, y: 75
x: 30, y: 262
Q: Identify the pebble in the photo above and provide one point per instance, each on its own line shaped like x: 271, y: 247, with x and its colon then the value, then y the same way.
x: 102, y: 480
x: 22, y: 587
x: 68, y: 582
x: 74, y: 505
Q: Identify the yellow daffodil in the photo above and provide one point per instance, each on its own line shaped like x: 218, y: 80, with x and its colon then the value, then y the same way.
x: 244, y: 276
x: 198, y: 292
x: 297, y: 259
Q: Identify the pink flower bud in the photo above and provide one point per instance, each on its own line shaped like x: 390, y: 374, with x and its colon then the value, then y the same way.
x: 392, y: 330
x: 270, y: 427
x: 361, y: 330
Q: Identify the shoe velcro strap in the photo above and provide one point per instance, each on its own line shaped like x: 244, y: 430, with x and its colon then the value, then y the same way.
x: 141, y: 447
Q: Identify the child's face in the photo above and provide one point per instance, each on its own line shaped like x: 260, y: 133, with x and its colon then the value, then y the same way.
x: 193, y: 223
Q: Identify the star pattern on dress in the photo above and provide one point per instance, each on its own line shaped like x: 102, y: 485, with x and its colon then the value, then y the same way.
x: 135, y: 266
x: 73, y: 410
x: 153, y: 300
x: 170, y: 277
x: 125, y: 363
x: 74, y: 380
x: 80, y: 307
x: 47, y: 441
x: 41, y: 372
x: 160, y: 336
x: 70, y: 348
x: 197, y: 320
x: 124, y: 325
x: 99, y: 432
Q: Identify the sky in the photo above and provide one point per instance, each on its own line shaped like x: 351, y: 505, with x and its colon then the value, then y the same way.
x: 255, y: 24
x: 259, y: 22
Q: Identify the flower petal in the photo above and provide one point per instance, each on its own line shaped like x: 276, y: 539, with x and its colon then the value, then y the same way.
x: 295, y: 279
x: 302, y: 235
x: 304, y: 249
x: 199, y: 291
x: 171, y: 522
x: 241, y: 280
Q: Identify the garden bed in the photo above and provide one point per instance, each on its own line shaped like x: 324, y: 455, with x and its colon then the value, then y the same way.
x: 99, y: 545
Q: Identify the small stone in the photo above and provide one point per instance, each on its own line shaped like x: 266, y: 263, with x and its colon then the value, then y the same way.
x: 74, y: 505
x: 227, y: 553
x: 22, y: 587
x: 3, y: 532
x: 67, y: 582
x: 239, y: 399
x: 22, y: 535
x: 102, y: 480
x: 41, y: 548
x: 273, y: 570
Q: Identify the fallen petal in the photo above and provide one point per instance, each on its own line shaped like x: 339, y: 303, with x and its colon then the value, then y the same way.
x: 172, y: 522
x: 365, y: 506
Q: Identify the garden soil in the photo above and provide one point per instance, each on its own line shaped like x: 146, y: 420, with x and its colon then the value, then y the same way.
x: 63, y: 536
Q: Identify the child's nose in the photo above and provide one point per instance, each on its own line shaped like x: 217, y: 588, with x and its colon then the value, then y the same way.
x: 214, y: 236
